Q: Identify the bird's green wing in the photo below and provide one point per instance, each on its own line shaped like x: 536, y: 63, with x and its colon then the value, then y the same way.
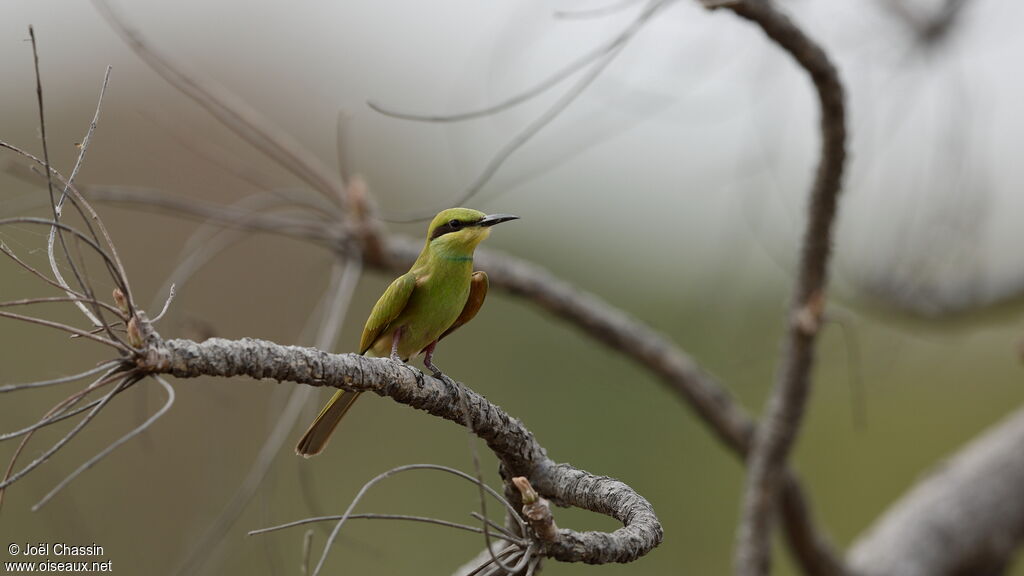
x: 477, y: 294
x: 390, y: 305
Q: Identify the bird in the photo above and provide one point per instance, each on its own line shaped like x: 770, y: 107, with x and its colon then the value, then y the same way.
x: 439, y: 294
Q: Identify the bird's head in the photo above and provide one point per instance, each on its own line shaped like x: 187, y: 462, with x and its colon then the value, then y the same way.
x: 460, y: 230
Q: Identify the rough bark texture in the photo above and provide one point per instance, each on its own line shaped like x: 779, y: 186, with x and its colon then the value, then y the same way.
x: 966, y: 518
x: 515, y: 446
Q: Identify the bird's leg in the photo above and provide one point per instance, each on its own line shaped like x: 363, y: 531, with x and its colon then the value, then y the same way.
x: 395, y: 338
x: 428, y: 360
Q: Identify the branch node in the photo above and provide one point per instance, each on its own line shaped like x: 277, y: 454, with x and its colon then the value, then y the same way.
x: 808, y: 317
x: 366, y: 229
x: 537, y: 510
x: 121, y: 301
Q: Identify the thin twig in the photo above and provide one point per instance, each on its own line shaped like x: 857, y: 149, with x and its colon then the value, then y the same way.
x: 221, y: 158
x: 307, y: 549
x: 302, y: 228
x: 63, y: 414
x: 61, y: 380
x: 369, y: 516
x: 10, y: 254
x: 605, y: 55
x: 61, y: 410
x: 504, y: 531
x: 167, y: 304
x: 10, y: 478
x: 54, y: 204
x: 66, y: 328
x: 70, y: 298
x: 376, y: 479
x: 488, y: 560
x: 58, y: 209
x: 526, y: 95
x: 110, y: 260
x: 229, y: 110
x: 598, y: 12
x: 113, y: 446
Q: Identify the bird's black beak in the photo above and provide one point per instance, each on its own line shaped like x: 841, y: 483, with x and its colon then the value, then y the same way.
x: 492, y: 219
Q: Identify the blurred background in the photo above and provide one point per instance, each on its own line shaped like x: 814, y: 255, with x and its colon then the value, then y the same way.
x: 672, y: 187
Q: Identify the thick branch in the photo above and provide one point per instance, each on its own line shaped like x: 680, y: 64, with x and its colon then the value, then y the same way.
x: 514, y: 445
x: 966, y: 518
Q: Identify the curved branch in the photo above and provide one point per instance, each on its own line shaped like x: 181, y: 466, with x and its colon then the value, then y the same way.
x: 626, y: 335
x: 780, y: 425
x: 511, y: 442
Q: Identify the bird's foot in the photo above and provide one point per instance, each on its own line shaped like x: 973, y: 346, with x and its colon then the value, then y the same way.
x: 395, y: 357
x: 435, y: 371
x: 428, y: 361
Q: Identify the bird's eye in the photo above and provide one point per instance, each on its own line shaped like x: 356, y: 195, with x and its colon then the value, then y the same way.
x: 455, y: 224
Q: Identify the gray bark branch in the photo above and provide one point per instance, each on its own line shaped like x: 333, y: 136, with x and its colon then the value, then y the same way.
x: 626, y: 335
x: 966, y: 518
x: 520, y: 454
x: 780, y: 425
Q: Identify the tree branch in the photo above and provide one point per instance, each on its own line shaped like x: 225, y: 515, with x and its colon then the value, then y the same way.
x: 967, y: 517
x: 511, y: 442
x: 626, y: 335
x: 780, y: 425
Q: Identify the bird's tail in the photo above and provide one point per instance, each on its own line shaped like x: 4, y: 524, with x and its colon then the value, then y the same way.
x: 319, y: 432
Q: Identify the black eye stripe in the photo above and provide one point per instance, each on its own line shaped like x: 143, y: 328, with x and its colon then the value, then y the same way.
x: 451, y: 226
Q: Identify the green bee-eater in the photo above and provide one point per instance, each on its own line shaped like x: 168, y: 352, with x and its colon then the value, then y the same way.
x: 435, y: 297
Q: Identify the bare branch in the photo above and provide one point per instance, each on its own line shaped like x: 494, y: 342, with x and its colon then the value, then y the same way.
x: 103, y: 453
x: 167, y: 304
x: 58, y: 209
x: 495, y: 526
x: 534, y: 91
x: 483, y: 560
x: 231, y: 217
x: 967, y: 517
x: 54, y: 203
x: 599, y: 12
x: 600, y: 58
x: 55, y: 299
x: 61, y: 410
x: 112, y: 260
x: 11, y: 477
x: 61, y: 380
x: 66, y: 328
x: 778, y: 428
x: 508, y: 438
x: 230, y: 111
x: 366, y: 487
x: 369, y: 516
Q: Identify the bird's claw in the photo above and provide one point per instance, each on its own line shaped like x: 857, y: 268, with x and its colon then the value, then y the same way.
x: 434, y: 370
